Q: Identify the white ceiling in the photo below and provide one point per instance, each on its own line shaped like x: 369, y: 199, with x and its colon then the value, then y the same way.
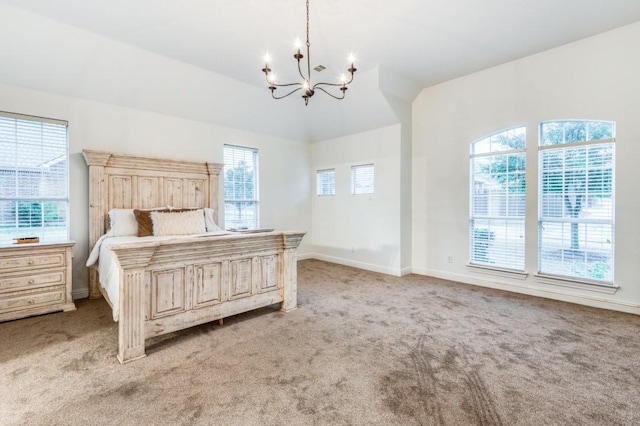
x: 423, y: 41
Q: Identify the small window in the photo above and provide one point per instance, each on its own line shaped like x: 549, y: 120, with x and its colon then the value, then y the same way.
x: 34, y: 184
x: 326, y: 182
x: 362, y: 179
x: 240, y: 187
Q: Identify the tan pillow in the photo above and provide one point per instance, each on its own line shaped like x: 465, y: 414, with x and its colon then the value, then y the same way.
x: 178, y: 223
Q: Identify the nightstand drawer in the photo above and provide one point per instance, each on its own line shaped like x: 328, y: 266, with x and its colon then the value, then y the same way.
x: 52, y: 296
x: 31, y: 261
x: 24, y: 282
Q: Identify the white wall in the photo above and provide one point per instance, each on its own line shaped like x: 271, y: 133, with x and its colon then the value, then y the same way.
x: 596, y: 78
x: 360, y: 230
x: 284, y: 164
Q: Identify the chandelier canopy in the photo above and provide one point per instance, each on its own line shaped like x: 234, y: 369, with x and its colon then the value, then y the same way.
x: 308, y: 89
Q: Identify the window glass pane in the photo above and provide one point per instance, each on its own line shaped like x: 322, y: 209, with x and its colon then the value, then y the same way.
x: 576, y: 200
x: 362, y: 179
x: 326, y: 182
x: 241, y: 187
x: 498, y: 192
x: 33, y: 178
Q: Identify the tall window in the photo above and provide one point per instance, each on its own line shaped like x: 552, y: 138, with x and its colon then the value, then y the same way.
x: 326, y: 182
x: 497, y: 204
x: 362, y: 179
x: 34, y: 188
x: 240, y: 187
x: 576, y: 199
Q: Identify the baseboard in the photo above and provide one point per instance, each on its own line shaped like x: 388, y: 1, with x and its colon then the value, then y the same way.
x: 359, y: 265
x: 80, y: 293
x: 561, y: 295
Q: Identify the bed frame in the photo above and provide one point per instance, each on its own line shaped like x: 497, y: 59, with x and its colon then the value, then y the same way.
x: 171, y: 285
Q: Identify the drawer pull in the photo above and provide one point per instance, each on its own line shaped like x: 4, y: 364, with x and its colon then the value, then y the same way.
x: 32, y: 281
x: 31, y: 262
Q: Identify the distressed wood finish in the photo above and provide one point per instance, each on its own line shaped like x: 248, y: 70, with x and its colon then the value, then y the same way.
x: 171, y: 285
x: 35, y: 279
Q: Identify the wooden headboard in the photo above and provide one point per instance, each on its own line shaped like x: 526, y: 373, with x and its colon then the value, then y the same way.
x: 132, y: 182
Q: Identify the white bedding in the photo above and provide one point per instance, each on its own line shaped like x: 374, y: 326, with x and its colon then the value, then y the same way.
x: 109, y: 269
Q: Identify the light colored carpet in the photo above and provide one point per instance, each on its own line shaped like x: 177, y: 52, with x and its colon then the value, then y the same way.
x: 363, y: 349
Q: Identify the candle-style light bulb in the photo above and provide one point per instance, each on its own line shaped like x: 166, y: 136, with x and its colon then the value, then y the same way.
x: 267, y: 58
x: 298, y: 43
x: 351, y: 59
x: 343, y: 78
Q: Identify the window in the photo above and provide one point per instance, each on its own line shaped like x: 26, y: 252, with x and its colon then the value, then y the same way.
x: 326, y: 182
x: 362, y: 179
x: 240, y: 187
x: 576, y: 199
x: 34, y: 188
x: 497, y: 204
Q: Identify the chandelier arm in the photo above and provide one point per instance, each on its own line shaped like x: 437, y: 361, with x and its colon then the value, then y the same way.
x: 284, y: 96
x: 330, y: 94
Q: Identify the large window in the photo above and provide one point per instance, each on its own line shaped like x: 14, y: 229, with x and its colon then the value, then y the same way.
x: 34, y: 200
x: 576, y: 199
x: 497, y: 204
x: 240, y: 187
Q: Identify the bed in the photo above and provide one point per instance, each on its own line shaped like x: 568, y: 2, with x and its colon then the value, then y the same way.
x: 172, y: 282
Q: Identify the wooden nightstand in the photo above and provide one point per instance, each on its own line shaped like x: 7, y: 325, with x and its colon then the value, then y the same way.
x: 35, y: 279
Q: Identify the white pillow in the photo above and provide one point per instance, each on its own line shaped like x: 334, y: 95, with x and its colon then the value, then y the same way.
x: 209, y: 220
x: 178, y: 223
x: 122, y: 222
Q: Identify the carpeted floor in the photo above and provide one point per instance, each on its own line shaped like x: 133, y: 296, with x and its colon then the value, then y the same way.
x: 363, y: 349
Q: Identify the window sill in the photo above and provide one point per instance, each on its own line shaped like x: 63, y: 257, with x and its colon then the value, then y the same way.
x: 582, y: 284
x: 501, y: 272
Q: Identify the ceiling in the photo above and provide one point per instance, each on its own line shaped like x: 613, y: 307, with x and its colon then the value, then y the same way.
x: 422, y: 41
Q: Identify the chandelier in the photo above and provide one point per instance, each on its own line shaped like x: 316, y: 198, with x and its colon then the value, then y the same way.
x: 305, y: 85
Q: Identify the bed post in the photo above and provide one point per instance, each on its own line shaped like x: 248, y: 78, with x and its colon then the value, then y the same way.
x: 96, y: 160
x: 290, y: 241
x: 214, y: 174
x: 131, y: 330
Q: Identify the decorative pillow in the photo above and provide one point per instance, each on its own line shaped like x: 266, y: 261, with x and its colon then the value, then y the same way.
x: 143, y: 218
x: 178, y: 223
x: 122, y: 222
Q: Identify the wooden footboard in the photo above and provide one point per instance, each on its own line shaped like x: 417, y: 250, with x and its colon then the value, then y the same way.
x: 171, y: 285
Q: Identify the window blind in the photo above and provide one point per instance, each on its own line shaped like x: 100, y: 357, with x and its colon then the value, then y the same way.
x: 326, y: 182
x: 240, y: 187
x: 576, y: 199
x: 497, y: 200
x: 362, y: 179
x: 34, y: 195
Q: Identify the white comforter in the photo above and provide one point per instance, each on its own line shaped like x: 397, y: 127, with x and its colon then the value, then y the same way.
x: 109, y: 269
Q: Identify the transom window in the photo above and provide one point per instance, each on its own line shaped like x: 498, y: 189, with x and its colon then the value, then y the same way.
x: 497, y: 204
x: 240, y: 187
x: 34, y: 183
x: 576, y: 199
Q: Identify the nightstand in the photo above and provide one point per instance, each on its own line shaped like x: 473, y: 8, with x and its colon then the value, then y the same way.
x: 35, y: 279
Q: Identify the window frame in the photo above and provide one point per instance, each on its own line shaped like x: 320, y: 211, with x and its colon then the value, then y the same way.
x: 320, y: 184
x: 241, y: 221
x: 43, y: 192
x: 506, y: 263
x: 366, y: 187
x: 597, y: 277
